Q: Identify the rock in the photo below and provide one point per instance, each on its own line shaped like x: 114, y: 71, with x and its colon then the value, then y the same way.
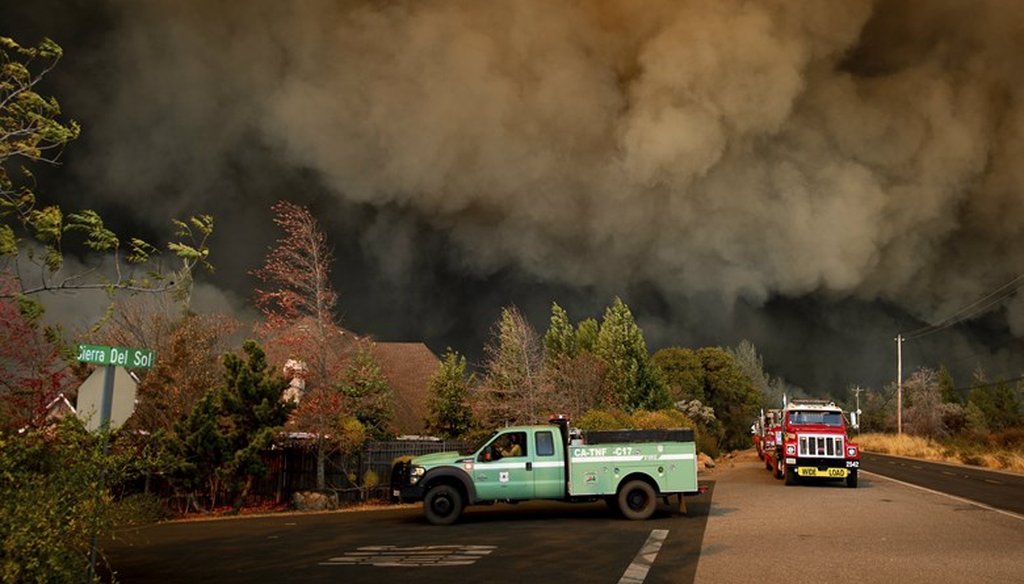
x: 704, y: 461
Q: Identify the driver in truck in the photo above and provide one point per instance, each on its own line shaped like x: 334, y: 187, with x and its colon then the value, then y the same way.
x: 512, y: 448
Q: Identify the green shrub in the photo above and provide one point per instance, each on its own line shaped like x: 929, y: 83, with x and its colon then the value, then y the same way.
x: 661, y: 419
x: 707, y: 444
x: 140, y: 509
x: 53, y: 499
x: 604, y: 420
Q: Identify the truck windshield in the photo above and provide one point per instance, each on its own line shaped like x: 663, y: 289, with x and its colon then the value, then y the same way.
x: 816, y: 417
x: 480, y: 444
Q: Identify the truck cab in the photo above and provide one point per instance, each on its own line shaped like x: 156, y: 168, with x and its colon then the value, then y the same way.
x: 816, y: 444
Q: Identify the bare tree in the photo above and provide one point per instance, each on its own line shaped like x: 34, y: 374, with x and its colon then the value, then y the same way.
x: 512, y: 391
x: 925, y: 414
x: 298, y: 301
x: 578, y: 384
x: 300, y: 321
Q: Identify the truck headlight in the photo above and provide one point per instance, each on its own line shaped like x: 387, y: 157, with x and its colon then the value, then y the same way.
x: 790, y: 449
x: 415, y: 474
x: 851, y: 452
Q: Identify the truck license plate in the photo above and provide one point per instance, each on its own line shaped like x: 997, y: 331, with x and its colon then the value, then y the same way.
x: 830, y: 473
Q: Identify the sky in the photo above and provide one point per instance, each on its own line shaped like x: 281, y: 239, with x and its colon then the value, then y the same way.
x: 815, y: 177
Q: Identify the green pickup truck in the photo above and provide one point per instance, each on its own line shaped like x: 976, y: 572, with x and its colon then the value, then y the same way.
x: 630, y: 469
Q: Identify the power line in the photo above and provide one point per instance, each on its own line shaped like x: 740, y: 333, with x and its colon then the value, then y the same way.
x: 967, y: 388
x: 974, y: 308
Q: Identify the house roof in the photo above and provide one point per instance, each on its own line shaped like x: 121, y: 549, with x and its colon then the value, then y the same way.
x: 408, y: 367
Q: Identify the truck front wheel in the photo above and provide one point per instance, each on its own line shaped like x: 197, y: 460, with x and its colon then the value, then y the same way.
x: 790, y: 476
x: 443, y: 505
x: 851, y: 479
x: 637, y: 500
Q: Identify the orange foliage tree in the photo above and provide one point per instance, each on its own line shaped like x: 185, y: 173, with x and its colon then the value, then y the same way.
x: 297, y: 300
x: 33, y: 372
x: 299, y: 308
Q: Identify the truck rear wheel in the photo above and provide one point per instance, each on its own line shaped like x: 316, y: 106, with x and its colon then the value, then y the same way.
x: 637, y: 500
x: 851, y: 479
x: 443, y: 505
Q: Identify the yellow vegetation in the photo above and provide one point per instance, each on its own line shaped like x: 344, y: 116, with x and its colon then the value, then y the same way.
x: 977, y: 454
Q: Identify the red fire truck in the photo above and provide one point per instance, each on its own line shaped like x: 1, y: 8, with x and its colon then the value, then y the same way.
x: 815, y: 443
x: 771, y: 442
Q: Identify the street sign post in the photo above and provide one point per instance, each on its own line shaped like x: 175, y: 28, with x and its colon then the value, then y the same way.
x: 112, y: 359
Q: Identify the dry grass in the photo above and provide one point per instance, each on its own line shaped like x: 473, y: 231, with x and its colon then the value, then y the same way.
x: 978, y: 454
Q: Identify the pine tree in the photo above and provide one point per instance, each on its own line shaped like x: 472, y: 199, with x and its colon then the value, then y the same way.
x: 448, y: 412
x: 586, y: 336
x: 560, y: 340
x: 632, y: 376
x: 222, y: 439
x: 948, y: 387
x: 751, y: 363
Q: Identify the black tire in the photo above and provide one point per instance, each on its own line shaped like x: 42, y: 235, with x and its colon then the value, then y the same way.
x: 767, y: 463
x: 637, y: 500
x: 791, y: 478
x: 443, y: 505
x: 851, y: 479
x: 780, y: 469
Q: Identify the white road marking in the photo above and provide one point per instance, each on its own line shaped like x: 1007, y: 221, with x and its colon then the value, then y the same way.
x: 636, y: 573
x: 412, y: 557
x: 954, y: 497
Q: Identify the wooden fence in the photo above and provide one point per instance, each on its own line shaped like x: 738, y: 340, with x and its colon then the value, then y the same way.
x: 362, y: 476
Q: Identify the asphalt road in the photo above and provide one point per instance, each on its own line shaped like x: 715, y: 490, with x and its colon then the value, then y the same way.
x: 883, y: 531
x: 749, y: 527
x: 534, y: 541
x: 996, y: 489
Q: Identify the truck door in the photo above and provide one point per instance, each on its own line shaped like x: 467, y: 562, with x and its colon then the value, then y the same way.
x: 502, y: 470
x: 548, y: 466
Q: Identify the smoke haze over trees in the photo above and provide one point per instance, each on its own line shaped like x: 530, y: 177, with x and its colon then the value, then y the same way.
x: 811, y: 176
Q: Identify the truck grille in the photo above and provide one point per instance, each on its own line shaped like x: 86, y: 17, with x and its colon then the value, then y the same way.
x: 829, y: 446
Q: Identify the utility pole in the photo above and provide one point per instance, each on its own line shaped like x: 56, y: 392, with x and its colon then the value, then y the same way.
x: 899, y: 384
x: 856, y: 393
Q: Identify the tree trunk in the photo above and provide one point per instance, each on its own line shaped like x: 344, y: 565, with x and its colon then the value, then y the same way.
x: 321, y: 463
x: 240, y: 501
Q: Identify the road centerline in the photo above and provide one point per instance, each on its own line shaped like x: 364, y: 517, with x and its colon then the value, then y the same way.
x: 636, y: 573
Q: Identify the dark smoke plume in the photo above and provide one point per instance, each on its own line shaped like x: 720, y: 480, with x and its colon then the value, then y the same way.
x: 814, y: 176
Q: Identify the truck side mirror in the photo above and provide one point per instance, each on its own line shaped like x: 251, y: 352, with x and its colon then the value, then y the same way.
x: 854, y: 422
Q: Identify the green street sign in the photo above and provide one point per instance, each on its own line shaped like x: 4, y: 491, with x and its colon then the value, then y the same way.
x: 123, y: 356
